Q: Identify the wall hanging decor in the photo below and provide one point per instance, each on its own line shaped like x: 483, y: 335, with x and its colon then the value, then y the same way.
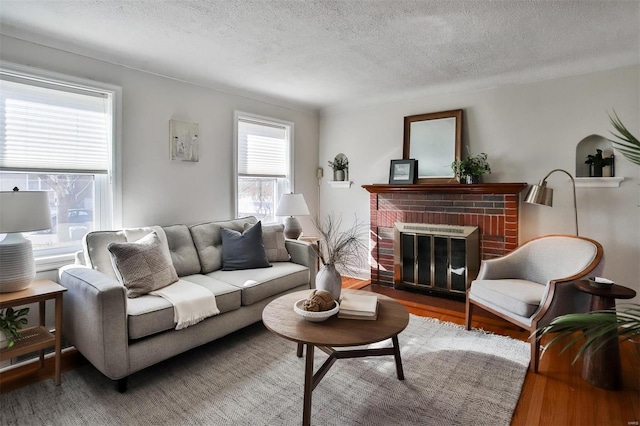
x: 183, y: 141
x: 340, y: 166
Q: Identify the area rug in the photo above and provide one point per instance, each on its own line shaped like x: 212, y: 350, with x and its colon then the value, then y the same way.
x: 253, y: 377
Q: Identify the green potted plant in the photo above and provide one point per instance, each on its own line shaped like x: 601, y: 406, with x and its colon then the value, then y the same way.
x: 339, y: 165
x: 11, y: 322
x: 589, y: 328
x: 472, y: 168
x: 597, y: 162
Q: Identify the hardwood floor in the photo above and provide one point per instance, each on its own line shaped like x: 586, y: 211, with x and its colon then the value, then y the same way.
x: 557, y: 395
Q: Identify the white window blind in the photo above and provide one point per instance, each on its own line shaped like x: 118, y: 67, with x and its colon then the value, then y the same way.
x: 57, y: 128
x: 263, y: 149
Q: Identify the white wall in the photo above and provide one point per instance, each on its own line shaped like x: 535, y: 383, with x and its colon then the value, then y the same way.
x: 154, y: 189
x: 527, y: 130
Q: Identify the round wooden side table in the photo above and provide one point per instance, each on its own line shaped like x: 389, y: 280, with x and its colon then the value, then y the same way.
x: 602, y: 367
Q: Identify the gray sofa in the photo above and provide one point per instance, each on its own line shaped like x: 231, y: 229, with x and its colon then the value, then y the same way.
x: 121, y: 335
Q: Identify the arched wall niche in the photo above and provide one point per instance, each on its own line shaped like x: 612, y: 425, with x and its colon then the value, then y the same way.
x: 590, y: 145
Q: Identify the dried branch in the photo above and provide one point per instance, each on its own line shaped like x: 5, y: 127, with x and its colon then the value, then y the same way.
x: 343, y: 248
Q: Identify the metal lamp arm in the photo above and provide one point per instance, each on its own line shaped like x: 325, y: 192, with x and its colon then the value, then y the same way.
x: 573, y: 182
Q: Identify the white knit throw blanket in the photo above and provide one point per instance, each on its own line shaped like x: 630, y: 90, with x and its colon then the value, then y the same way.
x: 191, y: 302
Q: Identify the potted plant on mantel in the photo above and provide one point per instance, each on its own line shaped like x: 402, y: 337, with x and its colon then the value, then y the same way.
x: 471, y: 169
x: 11, y: 322
x: 342, y: 249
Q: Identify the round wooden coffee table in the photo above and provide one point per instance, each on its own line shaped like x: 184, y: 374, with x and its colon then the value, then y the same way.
x: 279, y: 317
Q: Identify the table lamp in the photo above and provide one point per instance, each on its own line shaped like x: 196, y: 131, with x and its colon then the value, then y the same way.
x: 20, y: 211
x: 291, y: 205
x: 542, y: 195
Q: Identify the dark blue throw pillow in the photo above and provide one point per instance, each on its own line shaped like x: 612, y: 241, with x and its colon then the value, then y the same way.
x: 243, y: 250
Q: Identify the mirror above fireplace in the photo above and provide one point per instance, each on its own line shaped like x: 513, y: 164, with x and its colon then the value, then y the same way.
x: 434, y: 140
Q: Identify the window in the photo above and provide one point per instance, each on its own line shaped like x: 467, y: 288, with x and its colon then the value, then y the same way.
x: 56, y: 135
x: 263, y: 165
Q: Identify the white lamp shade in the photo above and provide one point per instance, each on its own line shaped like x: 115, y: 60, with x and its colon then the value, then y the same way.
x: 292, y: 205
x: 24, y: 211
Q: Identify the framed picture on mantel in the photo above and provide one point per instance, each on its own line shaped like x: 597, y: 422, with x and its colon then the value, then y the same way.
x: 403, y: 171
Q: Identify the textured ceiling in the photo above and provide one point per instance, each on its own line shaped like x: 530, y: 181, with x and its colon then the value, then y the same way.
x: 329, y: 53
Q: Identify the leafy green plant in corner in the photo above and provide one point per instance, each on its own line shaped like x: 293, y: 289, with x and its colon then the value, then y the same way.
x: 11, y: 321
x: 473, y: 165
x: 339, y: 163
x: 628, y: 145
x: 595, y: 329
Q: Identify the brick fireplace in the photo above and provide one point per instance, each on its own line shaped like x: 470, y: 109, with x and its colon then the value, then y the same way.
x: 493, y: 208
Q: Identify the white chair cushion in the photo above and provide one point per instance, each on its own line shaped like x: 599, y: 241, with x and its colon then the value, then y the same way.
x: 520, y: 297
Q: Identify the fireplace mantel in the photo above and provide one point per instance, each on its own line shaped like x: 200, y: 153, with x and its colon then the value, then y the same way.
x: 492, y: 207
x: 448, y: 188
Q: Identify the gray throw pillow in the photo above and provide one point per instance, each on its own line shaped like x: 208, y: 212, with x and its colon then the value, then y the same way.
x: 243, y: 250
x: 141, y: 266
x: 274, y: 242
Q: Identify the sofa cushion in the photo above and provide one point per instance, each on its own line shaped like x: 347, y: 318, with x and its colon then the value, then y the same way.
x: 183, y: 253
x: 149, y: 315
x: 520, y: 297
x: 258, y: 284
x: 141, y: 266
x: 274, y: 242
x: 208, y: 241
x: 243, y: 250
x: 95, y: 244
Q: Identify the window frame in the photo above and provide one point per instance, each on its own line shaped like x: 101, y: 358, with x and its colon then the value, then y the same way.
x: 237, y: 116
x: 110, y: 216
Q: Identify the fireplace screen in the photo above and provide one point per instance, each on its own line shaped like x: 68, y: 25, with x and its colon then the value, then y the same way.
x: 442, y: 258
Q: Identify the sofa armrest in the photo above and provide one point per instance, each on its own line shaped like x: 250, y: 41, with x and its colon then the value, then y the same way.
x: 304, y: 253
x: 95, y: 318
x: 500, y: 268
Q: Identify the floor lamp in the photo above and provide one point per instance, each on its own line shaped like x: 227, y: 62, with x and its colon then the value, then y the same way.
x: 20, y: 211
x: 542, y: 195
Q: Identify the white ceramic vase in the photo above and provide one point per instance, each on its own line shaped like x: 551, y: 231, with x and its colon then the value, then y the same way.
x: 329, y: 279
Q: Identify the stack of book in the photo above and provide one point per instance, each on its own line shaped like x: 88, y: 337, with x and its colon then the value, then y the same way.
x: 358, y: 306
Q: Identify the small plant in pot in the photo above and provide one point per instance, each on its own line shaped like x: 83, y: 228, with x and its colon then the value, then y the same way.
x: 471, y: 169
x: 338, y: 249
x: 11, y: 322
x: 339, y: 165
x: 596, y: 163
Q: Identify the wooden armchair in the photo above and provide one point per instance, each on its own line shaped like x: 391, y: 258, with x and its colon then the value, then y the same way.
x: 533, y: 284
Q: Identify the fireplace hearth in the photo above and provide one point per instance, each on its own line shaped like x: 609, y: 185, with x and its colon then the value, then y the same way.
x: 438, y: 258
x: 492, y: 208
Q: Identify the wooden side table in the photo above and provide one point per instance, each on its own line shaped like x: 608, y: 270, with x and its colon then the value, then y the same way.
x: 37, y: 338
x: 602, y: 367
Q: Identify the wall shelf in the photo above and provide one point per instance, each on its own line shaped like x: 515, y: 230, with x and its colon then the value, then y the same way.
x: 598, y: 182
x: 340, y: 183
